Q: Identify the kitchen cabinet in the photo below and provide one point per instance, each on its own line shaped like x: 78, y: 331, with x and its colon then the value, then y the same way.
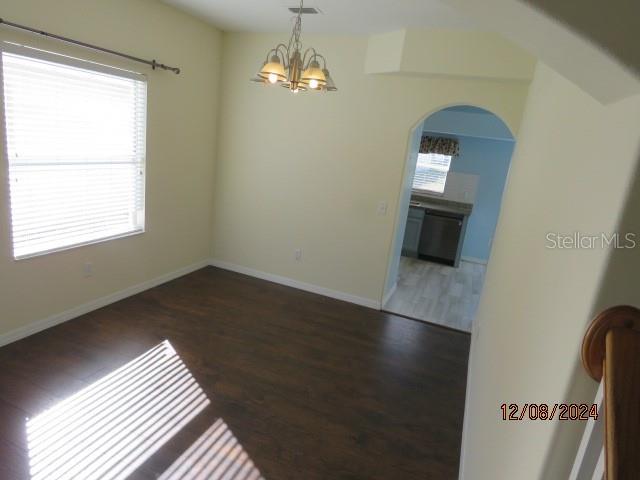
x: 412, y: 232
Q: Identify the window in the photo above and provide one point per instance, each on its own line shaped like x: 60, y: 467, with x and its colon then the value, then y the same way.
x: 431, y: 172
x: 75, y: 147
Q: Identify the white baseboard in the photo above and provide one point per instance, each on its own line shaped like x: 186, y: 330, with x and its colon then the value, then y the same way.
x: 290, y: 282
x: 43, y: 324
x: 62, y: 317
x: 474, y: 260
x: 389, y: 294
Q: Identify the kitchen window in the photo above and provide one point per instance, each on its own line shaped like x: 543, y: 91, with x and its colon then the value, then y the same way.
x: 431, y: 172
x: 75, y: 147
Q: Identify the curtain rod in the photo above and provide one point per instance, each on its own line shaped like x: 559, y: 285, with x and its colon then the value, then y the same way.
x: 152, y: 63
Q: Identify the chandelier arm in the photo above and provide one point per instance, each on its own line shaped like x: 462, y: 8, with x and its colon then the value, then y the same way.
x: 273, y: 50
x: 324, y: 60
x: 283, y: 51
x: 314, y: 54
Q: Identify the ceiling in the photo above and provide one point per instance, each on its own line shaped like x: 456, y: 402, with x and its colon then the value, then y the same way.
x: 338, y: 16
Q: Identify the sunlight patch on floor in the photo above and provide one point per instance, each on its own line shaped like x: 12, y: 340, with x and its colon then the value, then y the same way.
x: 111, y: 427
x: 216, y: 455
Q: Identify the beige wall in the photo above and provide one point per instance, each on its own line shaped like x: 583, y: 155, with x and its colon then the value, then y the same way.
x: 308, y: 171
x: 571, y: 169
x: 180, y: 154
x: 451, y: 53
x: 468, y: 54
x: 590, y: 58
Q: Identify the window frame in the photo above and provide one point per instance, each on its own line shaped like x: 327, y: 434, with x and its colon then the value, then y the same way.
x: 48, y: 56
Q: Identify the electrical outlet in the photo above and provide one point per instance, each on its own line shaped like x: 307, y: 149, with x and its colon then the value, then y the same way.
x: 382, y: 207
x: 87, y: 269
x: 298, y: 254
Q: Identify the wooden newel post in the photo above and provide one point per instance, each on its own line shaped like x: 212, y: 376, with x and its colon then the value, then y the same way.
x: 611, y: 351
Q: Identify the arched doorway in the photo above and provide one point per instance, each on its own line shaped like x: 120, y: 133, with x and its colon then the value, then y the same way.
x: 455, y: 175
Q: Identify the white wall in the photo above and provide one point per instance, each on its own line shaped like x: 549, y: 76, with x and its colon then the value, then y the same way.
x: 307, y: 171
x: 180, y: 154
x: 460, y: 187
x: 573, y: 163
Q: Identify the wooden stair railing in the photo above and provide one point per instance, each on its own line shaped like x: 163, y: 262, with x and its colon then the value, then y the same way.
x: 611, y: 354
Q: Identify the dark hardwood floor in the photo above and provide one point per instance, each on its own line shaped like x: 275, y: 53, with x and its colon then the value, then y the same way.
x: 311, y: 387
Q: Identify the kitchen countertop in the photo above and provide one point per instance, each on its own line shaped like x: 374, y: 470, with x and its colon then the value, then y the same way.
x: 442, y: 205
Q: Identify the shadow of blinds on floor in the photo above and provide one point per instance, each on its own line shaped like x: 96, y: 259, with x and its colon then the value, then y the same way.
x: 216, y: 455
x: 111, y: 427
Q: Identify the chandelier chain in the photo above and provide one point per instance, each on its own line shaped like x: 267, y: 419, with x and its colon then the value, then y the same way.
x: 294, y: 41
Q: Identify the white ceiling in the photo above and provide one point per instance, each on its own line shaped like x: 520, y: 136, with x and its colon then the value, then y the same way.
x: 338, y: 16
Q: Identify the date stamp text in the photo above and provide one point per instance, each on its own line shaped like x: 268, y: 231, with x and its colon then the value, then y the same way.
x: 545, y: 411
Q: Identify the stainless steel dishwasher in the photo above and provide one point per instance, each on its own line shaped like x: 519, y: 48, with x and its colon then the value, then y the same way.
x: 441, y: 237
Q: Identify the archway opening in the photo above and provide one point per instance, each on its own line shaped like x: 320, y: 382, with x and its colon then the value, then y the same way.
x: 455, y: 175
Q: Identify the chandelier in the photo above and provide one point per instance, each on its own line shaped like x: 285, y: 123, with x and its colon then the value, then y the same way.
x: 287, y: 66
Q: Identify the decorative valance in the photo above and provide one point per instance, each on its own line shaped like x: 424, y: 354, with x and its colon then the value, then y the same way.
x: 441, y: 145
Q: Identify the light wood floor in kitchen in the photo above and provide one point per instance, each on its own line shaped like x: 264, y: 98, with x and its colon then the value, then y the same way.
x: 438, y: 293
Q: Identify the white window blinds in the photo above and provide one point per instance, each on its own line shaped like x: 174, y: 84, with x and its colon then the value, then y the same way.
x: 75, y: 145
x: 431, y: 172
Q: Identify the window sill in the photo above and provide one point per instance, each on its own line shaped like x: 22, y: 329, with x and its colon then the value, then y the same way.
x: 78, y: 245
x: 430, y: 193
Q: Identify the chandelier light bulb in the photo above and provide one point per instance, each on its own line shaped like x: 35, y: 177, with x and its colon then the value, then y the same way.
x: 313, y: 83
x: 273, y: 78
